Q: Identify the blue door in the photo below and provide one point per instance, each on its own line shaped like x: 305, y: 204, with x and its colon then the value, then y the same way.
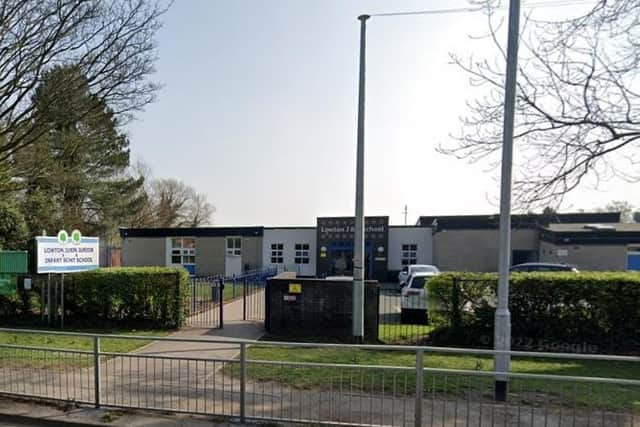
x: 633, y: 261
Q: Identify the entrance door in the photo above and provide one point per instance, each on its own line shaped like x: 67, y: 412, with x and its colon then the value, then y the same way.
x: 341, y: 259
x: 232, y: 265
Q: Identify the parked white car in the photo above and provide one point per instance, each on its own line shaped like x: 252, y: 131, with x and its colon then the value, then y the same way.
x: 409, y: 270
x: 413, y: 298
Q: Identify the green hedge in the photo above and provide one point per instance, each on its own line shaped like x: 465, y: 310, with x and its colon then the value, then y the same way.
x: 154, y: 295
x: 22, y: 306
x: 590, y: 311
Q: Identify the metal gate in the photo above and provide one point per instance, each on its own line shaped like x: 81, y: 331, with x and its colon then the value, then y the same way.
x: 205, y: 308
x: 216, y: 299
x: 252, y: 285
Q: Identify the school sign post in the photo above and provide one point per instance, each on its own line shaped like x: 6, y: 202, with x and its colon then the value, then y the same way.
x: 66, y: 253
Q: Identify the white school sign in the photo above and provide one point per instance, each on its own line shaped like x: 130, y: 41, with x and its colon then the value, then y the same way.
x: 67, y: 254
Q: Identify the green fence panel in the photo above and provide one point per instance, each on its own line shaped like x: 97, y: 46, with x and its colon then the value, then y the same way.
x: 15, y: 262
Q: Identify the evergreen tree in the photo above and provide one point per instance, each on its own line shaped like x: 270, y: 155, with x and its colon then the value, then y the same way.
x: 75, y: 174
x: 13, y: 230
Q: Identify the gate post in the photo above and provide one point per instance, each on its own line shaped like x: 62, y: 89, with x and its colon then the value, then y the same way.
x: 419, y: 387
x: 244, y: 299
x: 221, y: 300
x: 267, y: 305
x: 243, y: 381
x: 96, y: 371
x: 233, y: 282
x: 194, y: 293
x: 378, y: 295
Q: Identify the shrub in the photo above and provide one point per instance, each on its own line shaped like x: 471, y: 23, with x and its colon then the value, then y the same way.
x: 21, y: 307
x: 549, y: 311
x: 154, y: 295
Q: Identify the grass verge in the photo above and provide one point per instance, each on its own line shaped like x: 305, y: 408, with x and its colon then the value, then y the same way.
x: 394, y: 333
x: 39, y: 358
x: 527, y: 391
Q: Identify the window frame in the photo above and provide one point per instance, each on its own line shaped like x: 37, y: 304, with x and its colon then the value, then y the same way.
x: 302, y: 252
x: 277, y: 253
x: 234, y: 249
x: 408, y: 254
x: 181, y: 253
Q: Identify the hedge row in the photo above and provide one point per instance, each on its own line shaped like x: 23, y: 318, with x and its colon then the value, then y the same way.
x: 549, y: 311
x: 21, y: 307
x: 158, y: 295
x: 154, y: 296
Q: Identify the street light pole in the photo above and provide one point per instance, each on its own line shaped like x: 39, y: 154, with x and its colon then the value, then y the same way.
x: 502, y: 331
x: 358, y: 241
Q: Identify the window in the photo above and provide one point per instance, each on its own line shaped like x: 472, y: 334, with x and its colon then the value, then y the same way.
x: 183, y: 250
x: 234, y: 245
x: 409, y: 253
x: 276, y: 253
x: 418, y: 282
x: 302, y: 253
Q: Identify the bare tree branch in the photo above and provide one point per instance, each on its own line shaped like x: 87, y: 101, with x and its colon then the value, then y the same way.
x: 111, y: 42
x: 577, y: 106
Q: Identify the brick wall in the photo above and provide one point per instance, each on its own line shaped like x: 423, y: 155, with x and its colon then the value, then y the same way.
x: 322, y: 310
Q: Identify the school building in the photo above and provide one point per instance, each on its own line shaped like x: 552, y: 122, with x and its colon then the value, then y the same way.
x: 589, y: 241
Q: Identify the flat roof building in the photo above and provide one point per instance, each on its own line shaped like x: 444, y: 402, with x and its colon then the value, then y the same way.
x: 590, y: 241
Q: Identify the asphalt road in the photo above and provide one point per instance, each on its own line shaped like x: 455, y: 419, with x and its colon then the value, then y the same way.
x: 16, y: 423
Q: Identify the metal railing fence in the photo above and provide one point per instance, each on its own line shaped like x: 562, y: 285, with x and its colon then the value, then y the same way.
x: 268, y: 381
x: 209, y: 293
x: 398, y: 321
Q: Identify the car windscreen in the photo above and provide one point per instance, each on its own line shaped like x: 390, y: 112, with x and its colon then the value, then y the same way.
x: 418, y: 282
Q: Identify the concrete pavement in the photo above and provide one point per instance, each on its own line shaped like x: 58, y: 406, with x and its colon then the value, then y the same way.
x: 203, y: 378
x: 234, y: 327
x: 17, y: 413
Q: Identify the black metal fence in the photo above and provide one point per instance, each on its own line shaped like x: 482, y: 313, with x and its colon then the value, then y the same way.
x: 400, y: 320
x: 235, y: 297
x: 205, y: 308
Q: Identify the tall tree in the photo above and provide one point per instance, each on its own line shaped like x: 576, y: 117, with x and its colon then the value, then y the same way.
x: 74, y: 175
x: 110, y: 42
x: 13, y: 229
x: 176, y: 204
x: 577, y: 107
x: 199, y: 210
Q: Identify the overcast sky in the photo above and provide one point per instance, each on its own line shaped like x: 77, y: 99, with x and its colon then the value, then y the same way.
x: 258, y: 110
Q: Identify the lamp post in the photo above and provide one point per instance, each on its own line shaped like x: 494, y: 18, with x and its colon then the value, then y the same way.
x: 502, y: 330
x: 358, y: 238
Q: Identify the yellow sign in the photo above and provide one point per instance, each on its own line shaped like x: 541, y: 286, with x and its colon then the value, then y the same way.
x: 295, y: 288
x: 323, y: 254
